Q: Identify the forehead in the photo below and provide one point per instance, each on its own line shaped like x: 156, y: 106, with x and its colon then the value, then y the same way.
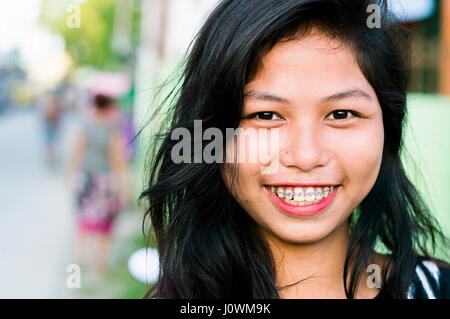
x: 311, y: 66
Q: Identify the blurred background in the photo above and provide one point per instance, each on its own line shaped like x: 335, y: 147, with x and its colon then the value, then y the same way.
x: 58, y: 56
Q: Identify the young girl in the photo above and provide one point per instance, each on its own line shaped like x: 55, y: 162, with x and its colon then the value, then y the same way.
x: 337, y: 217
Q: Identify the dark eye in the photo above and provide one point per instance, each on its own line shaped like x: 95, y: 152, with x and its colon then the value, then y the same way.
x: 341, y: 114
x: 265, y: 116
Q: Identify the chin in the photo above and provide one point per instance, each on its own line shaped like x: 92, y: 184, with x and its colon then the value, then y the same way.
x: 301, y: 235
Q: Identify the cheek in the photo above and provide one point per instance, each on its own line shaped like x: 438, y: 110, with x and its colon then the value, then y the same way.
x: 253, y: 146
x: 245, y: 184
x: 245, y: 188
x: 360, y: 154
x: 252, y: 150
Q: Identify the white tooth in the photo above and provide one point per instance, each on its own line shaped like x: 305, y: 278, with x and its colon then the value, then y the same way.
x: 288, y: 193
x: 309, y: 194
x: 318, y: 193
x: 299, y: 203
x: 299, y: 194
x: 273, y: 189
x: 280, y: 192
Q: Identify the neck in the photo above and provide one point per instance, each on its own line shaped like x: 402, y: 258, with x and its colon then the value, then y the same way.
x: 313, y: 270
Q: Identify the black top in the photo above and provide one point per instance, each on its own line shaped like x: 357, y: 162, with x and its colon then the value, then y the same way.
x: 431, y: 280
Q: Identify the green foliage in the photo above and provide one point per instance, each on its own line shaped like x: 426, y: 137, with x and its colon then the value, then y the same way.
x: 91, y: 42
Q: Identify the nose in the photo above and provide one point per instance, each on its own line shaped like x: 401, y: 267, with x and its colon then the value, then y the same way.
x: 304, y: 147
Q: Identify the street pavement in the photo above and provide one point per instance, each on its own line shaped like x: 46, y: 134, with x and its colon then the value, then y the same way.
x: 36, y: 218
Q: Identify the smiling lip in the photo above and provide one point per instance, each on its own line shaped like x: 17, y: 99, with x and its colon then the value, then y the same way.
x: 293, y: 184
x: 307, y: 210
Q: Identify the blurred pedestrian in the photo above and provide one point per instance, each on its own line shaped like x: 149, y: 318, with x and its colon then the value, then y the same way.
x: 97, y: 172
x: 52, y: 112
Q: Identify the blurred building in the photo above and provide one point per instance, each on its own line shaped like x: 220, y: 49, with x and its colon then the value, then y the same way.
x: 429, y: 21
x: 167, y: 29
x: 445, y: 48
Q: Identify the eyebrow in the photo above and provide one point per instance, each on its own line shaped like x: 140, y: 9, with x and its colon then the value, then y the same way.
x: 264, y: 96
x: 355, y: 92
x: 260, y: 95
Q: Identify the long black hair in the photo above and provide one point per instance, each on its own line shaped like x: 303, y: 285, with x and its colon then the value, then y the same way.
x: 208, y: 245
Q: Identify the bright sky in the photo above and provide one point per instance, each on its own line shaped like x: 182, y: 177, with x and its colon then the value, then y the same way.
x: 19, y: 28
x: 412, y: 10
x: 42, y: 53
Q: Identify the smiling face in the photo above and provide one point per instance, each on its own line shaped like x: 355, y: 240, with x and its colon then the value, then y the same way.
x: 330, y: 130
